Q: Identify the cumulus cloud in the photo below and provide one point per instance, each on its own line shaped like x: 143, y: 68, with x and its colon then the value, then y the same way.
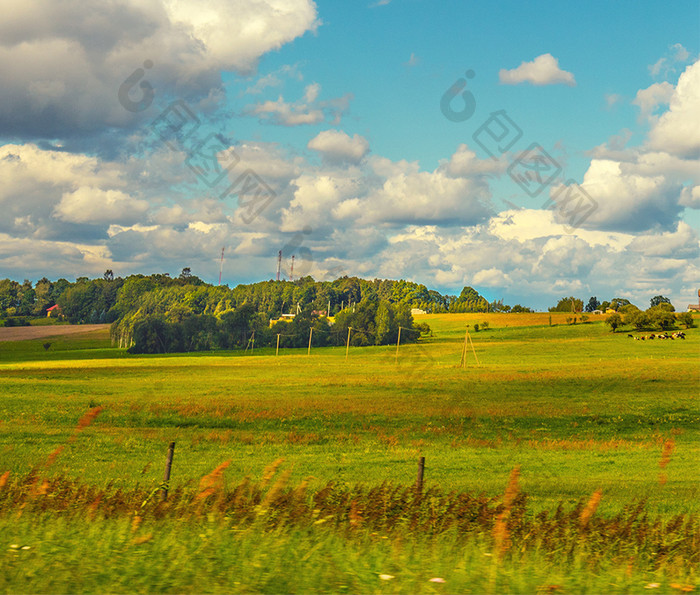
x: 337, y: 147
x: 94, y: 205
x: 464, y: 162
x: 628, y: 201
x: 690, y: 197
x: 680, y: 243
x: 543, y: 70
x: 653, y: 96
x: 34, y: 184
x: 677, y: 131
x: 74, y: 56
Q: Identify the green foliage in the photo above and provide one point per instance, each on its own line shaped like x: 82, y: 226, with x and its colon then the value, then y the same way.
x: 618, y: 303
x: 657, y: 300
x: 469, y: 300
x: 686, y: 319
x: 661, y: 317
x: 568, y: 304
x: 640, y: 320
x: 593, y: 304
x: 613, y: 321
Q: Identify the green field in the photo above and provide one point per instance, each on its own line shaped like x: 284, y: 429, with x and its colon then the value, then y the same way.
x: 576, y: 407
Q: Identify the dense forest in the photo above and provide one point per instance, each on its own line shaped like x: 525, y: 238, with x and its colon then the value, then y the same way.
x: 161, y: 314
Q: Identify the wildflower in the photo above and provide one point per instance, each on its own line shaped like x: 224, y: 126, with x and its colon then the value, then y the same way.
x: 26, y: 547
x: 14, y: 546
x: 437, y: 579
x: 652, y: 586
x: 386, y: 577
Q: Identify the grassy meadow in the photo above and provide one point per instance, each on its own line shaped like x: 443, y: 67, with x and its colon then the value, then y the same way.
x: 578, y: 410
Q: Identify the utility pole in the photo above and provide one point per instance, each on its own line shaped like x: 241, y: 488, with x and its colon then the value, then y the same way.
x: 398, y: 342
x: 347, y: 347
x: 221, y: 264
x: 311, y: 334
x: 291, y: 272
x: 279, y: 264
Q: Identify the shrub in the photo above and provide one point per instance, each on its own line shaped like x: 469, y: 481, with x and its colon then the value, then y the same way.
x: 613, y: 321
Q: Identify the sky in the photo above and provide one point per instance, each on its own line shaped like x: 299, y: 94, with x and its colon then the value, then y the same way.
x: 531, y: 150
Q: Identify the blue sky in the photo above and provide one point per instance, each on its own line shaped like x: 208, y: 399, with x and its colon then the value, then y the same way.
x: 335, y: 108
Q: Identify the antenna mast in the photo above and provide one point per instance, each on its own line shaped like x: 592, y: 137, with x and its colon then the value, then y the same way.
x: 279, y: 263
x: 291, y: 273
x: 221, y: 264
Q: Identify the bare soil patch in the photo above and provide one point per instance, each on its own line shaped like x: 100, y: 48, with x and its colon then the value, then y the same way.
x: 26, y: 333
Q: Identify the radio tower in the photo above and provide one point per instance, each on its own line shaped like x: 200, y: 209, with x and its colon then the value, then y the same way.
x: 221, y: 264
x: 291, y: 272
x: 279, y: 263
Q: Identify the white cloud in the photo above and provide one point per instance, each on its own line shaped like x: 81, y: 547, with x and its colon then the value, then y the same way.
x: 650, y: 98
x: 678, y: 130
x: 464, y: 162
x: 665, y: 66
x: 93, y: 205
x: 337, y: 146
x: 74, y: 55
x: 681, y: 243
x: 543, y: 70
x: 628, y: 201
x: 492, y: 277
x: 690, y: 197
x: 307, y: 111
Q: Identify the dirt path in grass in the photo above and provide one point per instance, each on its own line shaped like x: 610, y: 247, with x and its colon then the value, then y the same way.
x: 25, y: 333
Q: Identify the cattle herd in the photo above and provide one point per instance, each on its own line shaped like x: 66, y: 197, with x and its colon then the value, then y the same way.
x: 663, y: 336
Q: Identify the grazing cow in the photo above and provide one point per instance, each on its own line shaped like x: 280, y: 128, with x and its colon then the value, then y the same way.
x: 632, y: 336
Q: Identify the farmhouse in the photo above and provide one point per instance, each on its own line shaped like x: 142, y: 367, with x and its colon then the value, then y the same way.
x: 695, y: 307
x: 54, y: 311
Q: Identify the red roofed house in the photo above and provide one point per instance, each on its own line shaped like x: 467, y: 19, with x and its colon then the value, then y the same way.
x: 54, y: 311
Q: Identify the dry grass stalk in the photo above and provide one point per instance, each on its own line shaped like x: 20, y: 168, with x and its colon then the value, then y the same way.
x: 211, y: 483
x: 87, y: 419
x: 666, y: 453
x: 276, y: 489
x: 591, y: 507
x: 500, y: 527
x: 270, y: 470
x: 83, y: 423
x: 355, y: 516
x: 3, y: 479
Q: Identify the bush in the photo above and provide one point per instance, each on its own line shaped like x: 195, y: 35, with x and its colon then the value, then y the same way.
x: 613, y: 321
x: 686, y: 319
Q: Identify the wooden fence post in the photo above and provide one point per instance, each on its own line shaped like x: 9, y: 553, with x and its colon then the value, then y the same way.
x: 277, y: 351
x: 398, y: 342
x: 421, y: 468
x: 347, y: 347
x: 311, y: 333
x: 166, y: 475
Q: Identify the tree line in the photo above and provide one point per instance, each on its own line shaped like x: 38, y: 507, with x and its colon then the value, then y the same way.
x: 108, y: 298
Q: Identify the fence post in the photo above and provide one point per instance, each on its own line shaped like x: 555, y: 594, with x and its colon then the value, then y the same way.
x: 421, y: 468
x: 311, y: 333
x: 277, y: 351
x: 398, y: 342
x: 166, y: 475
x: 347, y: 347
